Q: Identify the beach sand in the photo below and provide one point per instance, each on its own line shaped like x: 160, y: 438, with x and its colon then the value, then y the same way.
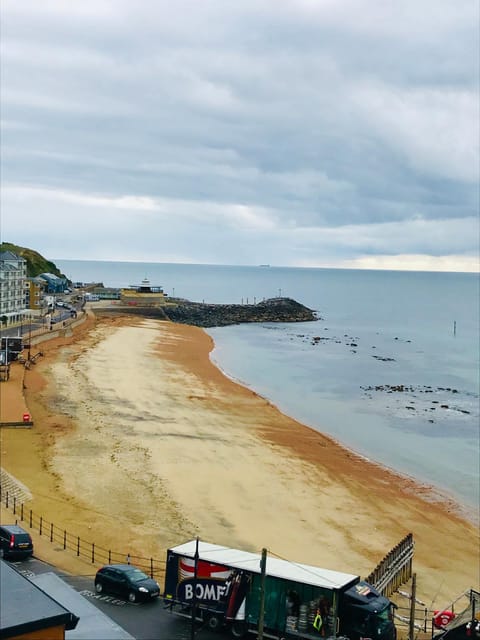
x: 140, y: 443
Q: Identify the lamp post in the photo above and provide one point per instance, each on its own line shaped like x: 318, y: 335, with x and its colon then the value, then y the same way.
x: 29, y: 336
x: 194, y: 598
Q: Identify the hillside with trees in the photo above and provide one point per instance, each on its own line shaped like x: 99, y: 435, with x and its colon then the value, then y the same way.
x: 36, y: 264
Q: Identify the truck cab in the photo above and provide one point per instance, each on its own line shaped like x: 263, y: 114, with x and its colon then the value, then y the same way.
x: 366, y: 614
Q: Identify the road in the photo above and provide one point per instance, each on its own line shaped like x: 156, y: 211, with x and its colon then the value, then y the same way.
x: 147, y: 621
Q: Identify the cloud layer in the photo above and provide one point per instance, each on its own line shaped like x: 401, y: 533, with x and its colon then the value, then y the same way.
x: 326, y: 133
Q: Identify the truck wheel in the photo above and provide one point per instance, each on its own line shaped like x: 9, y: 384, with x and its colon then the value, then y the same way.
x: 214, y: 623
x: 239, y: 629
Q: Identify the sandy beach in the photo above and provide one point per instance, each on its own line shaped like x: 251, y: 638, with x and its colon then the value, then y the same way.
x: 140, y: 442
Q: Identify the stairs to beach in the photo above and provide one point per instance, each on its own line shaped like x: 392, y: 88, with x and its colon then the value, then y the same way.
x: 9, y: 485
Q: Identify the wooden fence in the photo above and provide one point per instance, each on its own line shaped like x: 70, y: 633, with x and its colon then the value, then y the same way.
x: 395, y: 569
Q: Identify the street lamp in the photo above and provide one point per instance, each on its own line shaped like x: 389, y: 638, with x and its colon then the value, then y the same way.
x: 29, y: 336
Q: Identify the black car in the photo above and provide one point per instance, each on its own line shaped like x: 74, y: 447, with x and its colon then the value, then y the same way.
x: 15, y: 541
x: 127, y: 581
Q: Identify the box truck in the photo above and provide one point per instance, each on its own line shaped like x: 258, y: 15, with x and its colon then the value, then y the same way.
x: 238, y: 590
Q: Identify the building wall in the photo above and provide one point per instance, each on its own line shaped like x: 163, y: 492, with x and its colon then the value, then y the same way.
x: 129, y: 296
x: 52, y: 633
x: 34, y: 294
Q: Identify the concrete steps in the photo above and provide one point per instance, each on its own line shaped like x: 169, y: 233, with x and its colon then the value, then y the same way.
x: 15, y: 489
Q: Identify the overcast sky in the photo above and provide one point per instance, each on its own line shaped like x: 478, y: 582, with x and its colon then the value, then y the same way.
x: 289, y: 132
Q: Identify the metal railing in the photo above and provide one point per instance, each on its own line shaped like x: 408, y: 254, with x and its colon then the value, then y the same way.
x: 86, y: 550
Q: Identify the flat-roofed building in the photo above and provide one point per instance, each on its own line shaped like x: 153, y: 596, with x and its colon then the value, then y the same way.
x: 27, y: 612
x: 143, y: 294
x: 34, y: 290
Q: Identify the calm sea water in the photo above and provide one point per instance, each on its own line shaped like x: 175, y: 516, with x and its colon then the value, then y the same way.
x: 390, y: 370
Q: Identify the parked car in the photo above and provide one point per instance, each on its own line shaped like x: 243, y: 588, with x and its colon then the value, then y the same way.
x: 127, y: 581
x: 15, y: 541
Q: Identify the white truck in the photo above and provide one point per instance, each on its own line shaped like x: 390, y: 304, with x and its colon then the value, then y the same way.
x: 228, y: 588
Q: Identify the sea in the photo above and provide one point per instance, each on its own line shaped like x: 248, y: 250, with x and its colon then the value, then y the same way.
x: 390, y: 368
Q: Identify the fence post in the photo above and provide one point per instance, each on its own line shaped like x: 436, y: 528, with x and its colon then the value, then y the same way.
x: 109, y: 557
x: 93, y: 552
x: 151, y: 567
x: 411, y: 626
x: 78, y: 545
x: 6, y: 501
x: 64, y: 538
x: 30, y: 518
x: 41, y: 522
x: 21, y: 512
x: 14, y: 505
x: 51, y: 532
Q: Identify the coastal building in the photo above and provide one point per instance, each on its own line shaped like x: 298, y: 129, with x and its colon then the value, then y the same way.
x: 54, y: 284
x: 144, y: 294
x: 13, y: 274
x: 102, y: 293
x: 34, y: 292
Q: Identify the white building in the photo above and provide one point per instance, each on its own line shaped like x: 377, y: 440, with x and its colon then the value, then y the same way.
x: 13, y: 274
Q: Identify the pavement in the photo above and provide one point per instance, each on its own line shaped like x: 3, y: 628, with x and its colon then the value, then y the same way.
x: 13, y: 407
x: 106, y: 617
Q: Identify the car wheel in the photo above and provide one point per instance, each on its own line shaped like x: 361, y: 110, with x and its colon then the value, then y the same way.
x: 239, y: 629
x: 132, y: 596
x: 214, y: 623
x: 98, y: 587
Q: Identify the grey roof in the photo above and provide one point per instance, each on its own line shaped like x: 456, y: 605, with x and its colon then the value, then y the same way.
x: 52, y: 276
x: 93, y: 623
x: 9, y: 255
x: 24, y: 607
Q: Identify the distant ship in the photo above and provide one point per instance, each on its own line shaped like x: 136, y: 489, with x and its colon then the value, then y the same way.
x: 264, y: 265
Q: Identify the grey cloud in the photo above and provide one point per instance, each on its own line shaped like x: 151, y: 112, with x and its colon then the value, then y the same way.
x: 323, y: 114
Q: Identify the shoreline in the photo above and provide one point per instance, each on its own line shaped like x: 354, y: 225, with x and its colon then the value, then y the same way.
x: 431, y: 492
x: 192, y: 452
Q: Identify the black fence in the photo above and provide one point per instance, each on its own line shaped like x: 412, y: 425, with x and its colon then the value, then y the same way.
x: 82, y: 548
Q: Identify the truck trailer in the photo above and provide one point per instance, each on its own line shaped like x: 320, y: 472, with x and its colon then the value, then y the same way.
x: 229, y: 588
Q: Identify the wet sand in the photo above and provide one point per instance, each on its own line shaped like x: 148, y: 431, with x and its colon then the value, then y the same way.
x: 140, y: 443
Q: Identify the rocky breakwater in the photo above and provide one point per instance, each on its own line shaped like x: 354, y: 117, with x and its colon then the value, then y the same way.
x: 220, y: 315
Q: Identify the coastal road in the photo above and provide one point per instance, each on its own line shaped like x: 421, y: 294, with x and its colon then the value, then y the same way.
x: 148, y: 621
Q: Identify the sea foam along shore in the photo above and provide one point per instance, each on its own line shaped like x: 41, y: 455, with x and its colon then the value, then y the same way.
x: 140, y: 442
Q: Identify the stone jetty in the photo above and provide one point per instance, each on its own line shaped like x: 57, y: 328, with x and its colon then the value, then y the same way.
x: 220, y: 315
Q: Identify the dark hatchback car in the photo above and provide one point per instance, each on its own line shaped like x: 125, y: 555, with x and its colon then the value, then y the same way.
x: 126, y: 581
x: 15, y: 541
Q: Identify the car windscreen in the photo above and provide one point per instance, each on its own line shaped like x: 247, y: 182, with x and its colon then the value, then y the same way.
x: 135, y: 575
